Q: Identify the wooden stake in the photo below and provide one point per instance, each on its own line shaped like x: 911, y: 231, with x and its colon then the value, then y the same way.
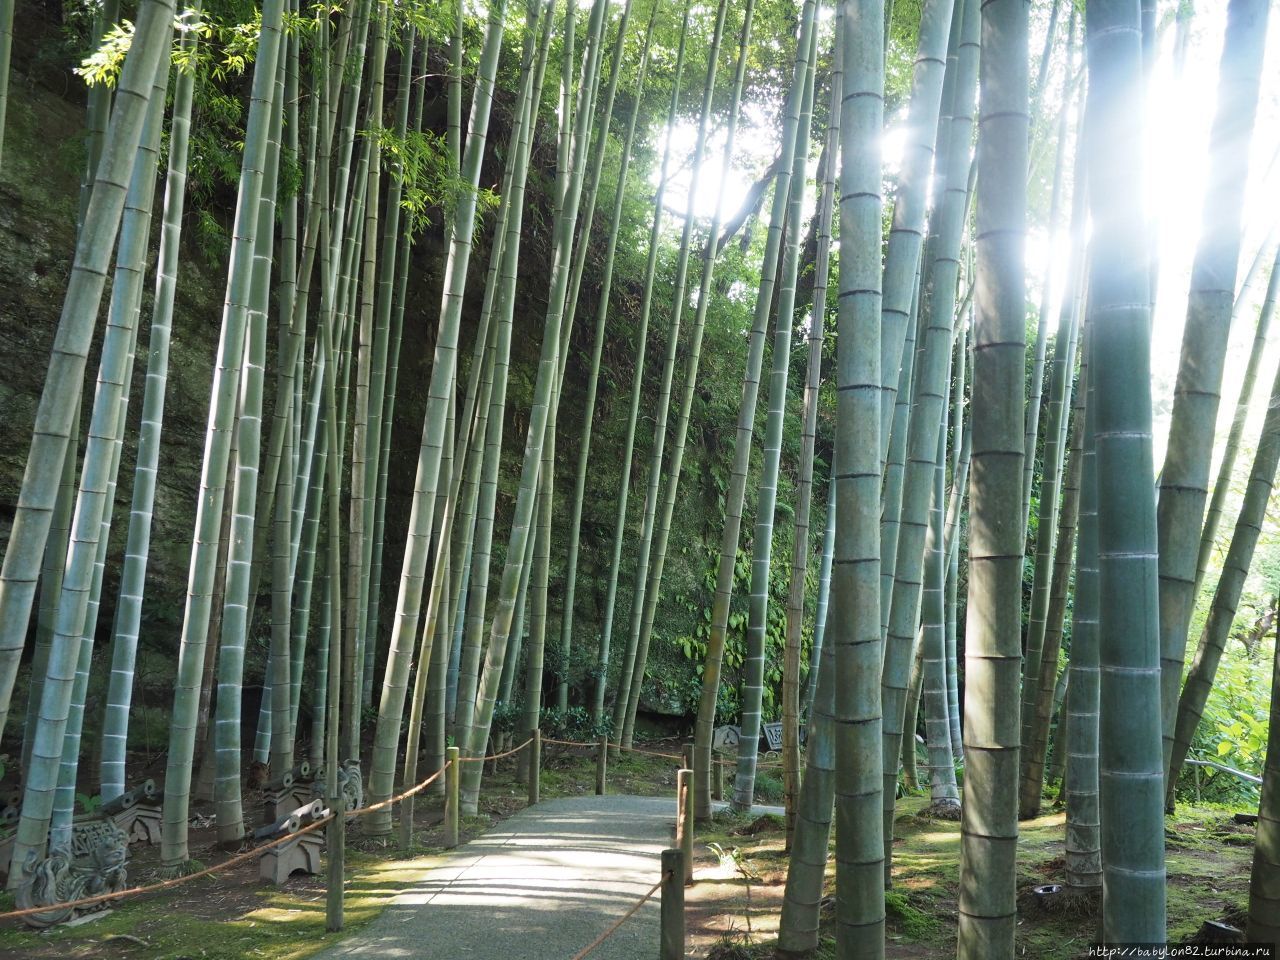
x: 602, y: 765
x: 451, y: 781
x: 672, y: 915
x: 684, y: 825
x: 717, y: 780
x: 535, y: 766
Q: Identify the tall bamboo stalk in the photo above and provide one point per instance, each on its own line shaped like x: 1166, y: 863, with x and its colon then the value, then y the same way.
x: 649, y: 559
x: 540, y: 417
x: 628, y: 445
x: 1064, y: 349
x: 1035, y: 745
x: 804, y: 492
x: 767, y: 491
x: 856, y: 476
x: 49, y: 778
x: 1222, y: 485
x: 124, y: 645
x: 366, y: 436
x: 392, y: 284
x: 959, y: 489
x: 1034, y: 407
x: 60, y: 397
x: 1080, y: 784
x: 602, y: 313
x: 1226, y: 595
x: 404, y: 631
x: 735, y: 495
x: 1184, y: 479
x: 941, y: 767
x: 237, y: 599
x: 993, y: 641
x: 1130, y: 769
x: 222, y: 413
x: 930, y: 390
x: 906, y: 234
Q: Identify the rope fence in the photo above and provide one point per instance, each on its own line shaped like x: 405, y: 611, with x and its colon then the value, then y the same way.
x: 676, y: 863
x: 239, y: 858
x: 614, y: 746
x: 499, y: 756
x: 585, y: 951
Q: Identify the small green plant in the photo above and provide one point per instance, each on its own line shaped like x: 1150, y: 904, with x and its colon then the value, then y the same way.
x: 88, y: 803
x: 912, y: 921
x: 506, y: 716
x: 575, y: 724
x: 769, y: 787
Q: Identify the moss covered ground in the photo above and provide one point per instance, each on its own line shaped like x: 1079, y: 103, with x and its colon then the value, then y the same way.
x: 234, y: 915
x: 733, y: 909
x: 1208, y: 857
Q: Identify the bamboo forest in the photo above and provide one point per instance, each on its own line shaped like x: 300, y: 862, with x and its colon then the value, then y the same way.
x: 564, y: 479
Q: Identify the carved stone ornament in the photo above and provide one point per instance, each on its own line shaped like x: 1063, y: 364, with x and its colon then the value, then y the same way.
x: 94, y: 865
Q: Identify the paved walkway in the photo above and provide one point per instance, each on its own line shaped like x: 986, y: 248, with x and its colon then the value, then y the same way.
x: 540, y: 886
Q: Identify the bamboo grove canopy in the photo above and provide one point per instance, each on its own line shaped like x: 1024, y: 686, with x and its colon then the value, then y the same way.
x: 886, y: 371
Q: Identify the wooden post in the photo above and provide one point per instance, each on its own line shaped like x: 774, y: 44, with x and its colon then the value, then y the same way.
x: 406, y: 824
x: 452, y: 777
x: 717, y: 779
x: 535, y: 766
x: 672, y: 922
x: 335, y: 841
x: 684, y: 825
x: 602, y: 765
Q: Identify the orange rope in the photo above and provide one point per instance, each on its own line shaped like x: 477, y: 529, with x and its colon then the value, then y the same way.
x: 497, y: 756
x: 176, y: 881
x: 616, y: 746
x: 226, y: 864
x: 569, y: 743
x: 316, y: 825
x: 647, y: 753
x: 619, y: 922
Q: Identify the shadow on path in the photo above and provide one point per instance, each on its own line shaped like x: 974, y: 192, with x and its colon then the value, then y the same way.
x: 539, y: 886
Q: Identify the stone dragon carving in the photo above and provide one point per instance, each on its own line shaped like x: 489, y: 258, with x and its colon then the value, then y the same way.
x: 94, y: 865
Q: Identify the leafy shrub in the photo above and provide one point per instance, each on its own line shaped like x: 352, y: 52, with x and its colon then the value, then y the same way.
x: 575, y: 724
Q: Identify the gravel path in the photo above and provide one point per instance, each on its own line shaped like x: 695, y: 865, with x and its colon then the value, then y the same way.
x: 539, y: 886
